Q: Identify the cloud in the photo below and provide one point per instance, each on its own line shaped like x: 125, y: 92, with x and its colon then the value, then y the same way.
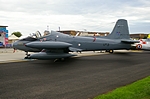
x: 92, y: 15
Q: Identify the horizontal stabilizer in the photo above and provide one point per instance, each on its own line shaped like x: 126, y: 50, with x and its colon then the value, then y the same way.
x: 48, y: 45
x: 130, y: 41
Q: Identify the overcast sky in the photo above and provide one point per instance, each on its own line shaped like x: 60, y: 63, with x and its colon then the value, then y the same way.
x: 28, y: 16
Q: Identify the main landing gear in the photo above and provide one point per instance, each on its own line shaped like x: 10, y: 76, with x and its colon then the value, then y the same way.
x: 59, y: 59
x: 27, y: 55
x: 110, y: 51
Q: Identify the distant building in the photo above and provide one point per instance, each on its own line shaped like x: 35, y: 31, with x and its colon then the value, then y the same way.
x: 3, y: 36
x: 139, y: 36
x: 69, y: 32
x: 12, y: 38
x: 84, y: 33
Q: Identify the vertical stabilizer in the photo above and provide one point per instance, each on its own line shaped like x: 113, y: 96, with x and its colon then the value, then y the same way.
x: 120, y: 30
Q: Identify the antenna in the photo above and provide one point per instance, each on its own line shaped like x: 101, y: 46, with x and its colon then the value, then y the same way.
x: 59, y: 28
x: 47, y: 28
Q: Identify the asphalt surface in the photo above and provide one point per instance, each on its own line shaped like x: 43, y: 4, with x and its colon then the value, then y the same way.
x: 75, y: 78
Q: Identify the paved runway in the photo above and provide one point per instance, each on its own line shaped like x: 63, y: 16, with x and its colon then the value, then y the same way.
x: 75, y: 78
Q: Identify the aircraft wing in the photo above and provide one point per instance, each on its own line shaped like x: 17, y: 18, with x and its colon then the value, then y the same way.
x: 52, y: 49
x: 129, y: 41
x: 50, y: 55
x: 75, y: 49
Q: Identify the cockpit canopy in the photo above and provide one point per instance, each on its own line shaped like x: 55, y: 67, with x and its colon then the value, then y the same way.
x: 29, y: 39
x: 35, y: 36
x: 38, y: 34
x: 32, y: 37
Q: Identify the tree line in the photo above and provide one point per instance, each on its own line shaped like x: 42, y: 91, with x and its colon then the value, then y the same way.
x: 18, y: 34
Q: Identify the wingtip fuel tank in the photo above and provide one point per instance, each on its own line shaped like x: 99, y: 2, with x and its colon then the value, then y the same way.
x: 48, y: 44
x: 44, y: 56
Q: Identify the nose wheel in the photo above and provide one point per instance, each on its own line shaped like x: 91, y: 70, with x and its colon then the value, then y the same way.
x: 59, y: 60
x: 27, y: 55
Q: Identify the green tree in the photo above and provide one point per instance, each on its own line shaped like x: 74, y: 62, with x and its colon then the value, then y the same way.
x: 18, y: 34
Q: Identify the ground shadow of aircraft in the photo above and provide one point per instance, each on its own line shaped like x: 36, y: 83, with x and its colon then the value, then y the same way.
x: 57, y: 45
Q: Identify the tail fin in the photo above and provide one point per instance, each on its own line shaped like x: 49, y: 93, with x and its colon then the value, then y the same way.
x: 120, y: 30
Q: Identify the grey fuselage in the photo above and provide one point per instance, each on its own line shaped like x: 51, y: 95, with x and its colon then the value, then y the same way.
x: 58, y: 45
x: 87, y: 43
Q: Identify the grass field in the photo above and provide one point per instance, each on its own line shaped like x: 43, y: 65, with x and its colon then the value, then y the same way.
x: 136, y: 90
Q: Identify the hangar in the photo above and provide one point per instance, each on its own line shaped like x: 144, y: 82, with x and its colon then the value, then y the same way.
x: 139, y: 36
x: 86, y: 33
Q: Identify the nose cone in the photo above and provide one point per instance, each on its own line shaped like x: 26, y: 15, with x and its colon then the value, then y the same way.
x: 15, y: 45
x: 19, y: 45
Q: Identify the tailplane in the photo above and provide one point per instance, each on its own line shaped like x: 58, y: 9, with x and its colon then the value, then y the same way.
x: 120, y: 30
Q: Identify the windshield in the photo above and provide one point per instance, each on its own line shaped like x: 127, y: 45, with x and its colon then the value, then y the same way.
x: 29, y: 39
x: 36, y: 35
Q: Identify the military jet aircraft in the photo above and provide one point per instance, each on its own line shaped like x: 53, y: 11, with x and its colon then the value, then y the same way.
x: 57, y: 45
x: 144, y: 44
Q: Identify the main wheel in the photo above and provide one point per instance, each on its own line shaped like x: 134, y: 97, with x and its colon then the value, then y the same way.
x: 111, y: 51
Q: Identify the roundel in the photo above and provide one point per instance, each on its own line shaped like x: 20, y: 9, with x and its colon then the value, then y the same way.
x: 138, y: 46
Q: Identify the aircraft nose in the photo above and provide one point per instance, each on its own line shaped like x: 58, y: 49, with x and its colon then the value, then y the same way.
x: 15, y: 44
